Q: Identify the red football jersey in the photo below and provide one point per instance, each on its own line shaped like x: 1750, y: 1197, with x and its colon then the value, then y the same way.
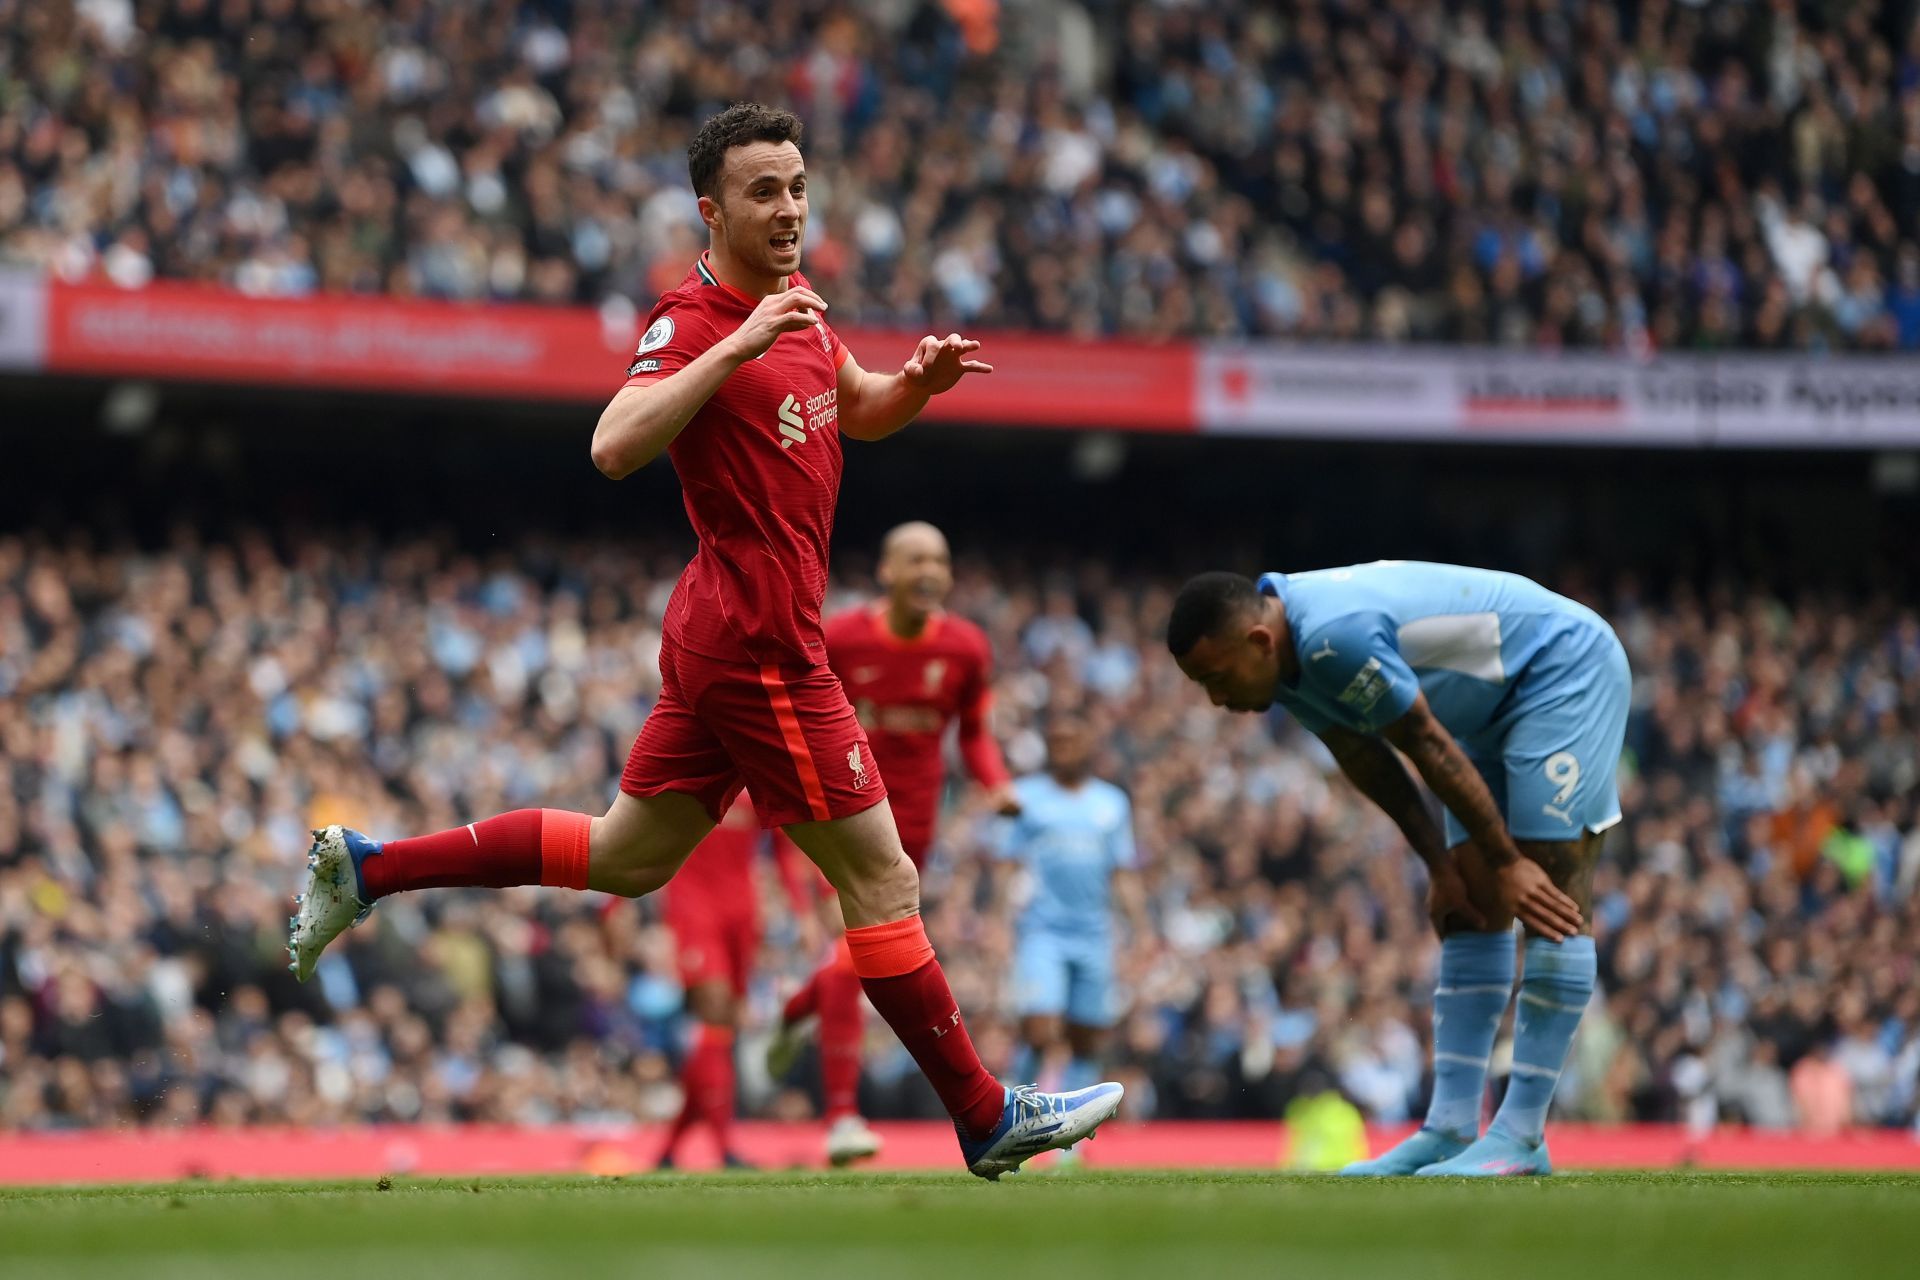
x: 759, y: 469
x: 906, y: 693
x: 717, y: 877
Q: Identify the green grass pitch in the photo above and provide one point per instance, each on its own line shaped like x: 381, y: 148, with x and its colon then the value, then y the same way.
x: 1190, y: 1226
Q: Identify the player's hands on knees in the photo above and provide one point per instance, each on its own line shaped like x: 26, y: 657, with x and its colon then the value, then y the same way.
x: 938, y: 363
x: 1529, y: 893
x: 786, y: 312
x: 1449, y: 905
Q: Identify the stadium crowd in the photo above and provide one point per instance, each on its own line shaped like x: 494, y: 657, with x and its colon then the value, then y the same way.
x: 173, y: 721
x: 1647, y: 175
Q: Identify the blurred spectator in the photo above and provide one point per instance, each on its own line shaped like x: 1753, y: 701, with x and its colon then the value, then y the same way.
x: 1649, y: 175
x: 172, y: 722
x: 1822, y: 1094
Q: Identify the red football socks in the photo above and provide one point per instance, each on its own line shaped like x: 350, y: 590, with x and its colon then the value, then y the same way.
x: 706, y: 1086
x: 841, y: 1027
x: 683, y: 1122
x: 527, y: 846
x: 897, y: 968
x: 709, y: 1080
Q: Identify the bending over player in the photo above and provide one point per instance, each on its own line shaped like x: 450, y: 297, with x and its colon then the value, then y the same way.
x: 1511, y: 702
x: 740, y: 380
x: 912, y: 670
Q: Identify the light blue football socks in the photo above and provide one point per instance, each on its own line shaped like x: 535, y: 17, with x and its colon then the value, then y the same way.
x: 1476, y: 981
x: 1554, y: 993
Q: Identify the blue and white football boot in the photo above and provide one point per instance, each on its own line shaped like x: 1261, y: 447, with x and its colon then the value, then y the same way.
x: 1032, y: 1122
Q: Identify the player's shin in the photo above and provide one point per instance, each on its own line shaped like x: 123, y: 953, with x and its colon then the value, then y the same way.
x: 1554, y: 992
x: 902, y: 978
x: 1476, y: 981
x: 526, y: 846
x: 707, y: 1088
x: 841, y: 1019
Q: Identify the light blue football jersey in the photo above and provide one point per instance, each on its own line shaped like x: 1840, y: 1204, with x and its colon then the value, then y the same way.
x: 1071, y: 840
x: 1485, y: 647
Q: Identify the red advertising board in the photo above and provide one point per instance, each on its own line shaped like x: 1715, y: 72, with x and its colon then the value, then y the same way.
x: 142, y: 1155
x: 192, y: 333
x: 173, y: 331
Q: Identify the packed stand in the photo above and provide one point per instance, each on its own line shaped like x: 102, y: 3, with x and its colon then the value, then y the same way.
x: 172, y: 723
x: 1640, y: 176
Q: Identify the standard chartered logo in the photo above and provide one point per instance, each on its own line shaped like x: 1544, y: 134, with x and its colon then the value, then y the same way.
x: 799, y: 418
x: 792, y: 425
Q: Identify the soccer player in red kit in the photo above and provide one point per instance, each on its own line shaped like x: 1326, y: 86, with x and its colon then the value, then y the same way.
x: 715, y: 919
x: 741, y: 381
x: 912, y: 670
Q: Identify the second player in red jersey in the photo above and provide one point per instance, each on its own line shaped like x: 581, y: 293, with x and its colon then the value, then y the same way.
x: 913, y: 670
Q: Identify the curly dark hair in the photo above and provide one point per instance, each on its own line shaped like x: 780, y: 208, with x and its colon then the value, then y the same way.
x: 738, y: 125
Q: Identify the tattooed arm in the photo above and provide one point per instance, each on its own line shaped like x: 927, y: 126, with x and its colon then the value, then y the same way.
x: 1373, y: 766
x: 1453, y: 778
x: 1526, y: 889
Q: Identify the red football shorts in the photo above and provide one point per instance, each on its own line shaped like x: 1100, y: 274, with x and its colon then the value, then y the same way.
x: 715, y: 943
x: 785, y: 732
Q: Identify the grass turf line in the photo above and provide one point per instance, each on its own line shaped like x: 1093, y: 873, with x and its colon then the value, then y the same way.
x: 1197, y: 1226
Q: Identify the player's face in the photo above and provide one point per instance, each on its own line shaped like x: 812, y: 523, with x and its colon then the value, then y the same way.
x: 918, y: 571
x: 1069, y: 748
x: 1238, y: 669
x: 761, y: 212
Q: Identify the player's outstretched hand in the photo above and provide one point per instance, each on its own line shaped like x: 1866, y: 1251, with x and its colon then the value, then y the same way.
x: 1449, y: 905
x: 1527, y: 891
x: 1004, y: 800
x: 786, y: 312
x: 938, y: 363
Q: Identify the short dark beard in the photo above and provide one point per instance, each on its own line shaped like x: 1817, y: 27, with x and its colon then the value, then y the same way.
x: 1285, y: 652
